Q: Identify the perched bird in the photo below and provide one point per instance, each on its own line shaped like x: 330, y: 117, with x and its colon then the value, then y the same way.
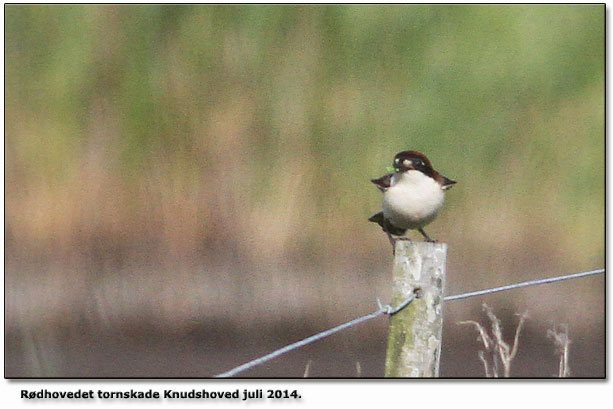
x: 412, y: 195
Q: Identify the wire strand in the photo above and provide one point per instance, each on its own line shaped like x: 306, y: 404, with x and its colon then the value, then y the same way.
x: 387, y: 309
x: 302, y: 343
x: 524, y: 284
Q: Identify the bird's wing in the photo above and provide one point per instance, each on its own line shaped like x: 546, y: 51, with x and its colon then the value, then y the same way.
x: 377, y: 218
x: 384, y: 182
x: 386, y: 225
x: 447, y: 183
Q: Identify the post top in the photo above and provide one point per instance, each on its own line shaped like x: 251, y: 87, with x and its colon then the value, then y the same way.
x: 402, y: 246
x: 424, y: 244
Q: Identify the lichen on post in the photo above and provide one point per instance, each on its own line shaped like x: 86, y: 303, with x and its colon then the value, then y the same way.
x: 414, y: 343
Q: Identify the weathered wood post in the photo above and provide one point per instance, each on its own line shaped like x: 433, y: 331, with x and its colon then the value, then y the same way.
x: 414, y: 343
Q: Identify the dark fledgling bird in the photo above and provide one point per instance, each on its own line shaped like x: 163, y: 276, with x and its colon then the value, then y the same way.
x: 412, y: 195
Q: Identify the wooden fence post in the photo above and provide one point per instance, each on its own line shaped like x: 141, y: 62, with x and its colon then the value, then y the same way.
x: 414, y: 341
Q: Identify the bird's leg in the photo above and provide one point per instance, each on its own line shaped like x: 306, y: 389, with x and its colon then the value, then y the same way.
x: 392, y: 242
x: 428, y: 239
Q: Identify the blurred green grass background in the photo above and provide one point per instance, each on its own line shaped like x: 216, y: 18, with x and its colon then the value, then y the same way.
x: 167, y: 163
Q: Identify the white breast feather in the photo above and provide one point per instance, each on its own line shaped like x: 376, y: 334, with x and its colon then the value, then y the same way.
x: 413, y: 200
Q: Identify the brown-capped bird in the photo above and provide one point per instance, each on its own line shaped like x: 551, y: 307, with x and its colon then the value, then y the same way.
x: 412, y: 195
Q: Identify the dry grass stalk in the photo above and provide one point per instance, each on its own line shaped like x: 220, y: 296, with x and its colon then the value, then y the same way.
x: 496, y: 349
x: 358, y: 369
x: 307, y: 369
x: 562, y: 345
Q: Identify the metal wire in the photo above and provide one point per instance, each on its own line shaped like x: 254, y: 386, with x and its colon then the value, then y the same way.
x: 524, y: 284
x: 387, y: 309
x: 383, y: 309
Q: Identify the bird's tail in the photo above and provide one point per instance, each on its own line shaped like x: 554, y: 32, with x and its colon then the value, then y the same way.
x: 378, y: 218
x: 386, y: 225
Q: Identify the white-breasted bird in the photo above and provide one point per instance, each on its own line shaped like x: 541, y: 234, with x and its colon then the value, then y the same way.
x: 412, y: 195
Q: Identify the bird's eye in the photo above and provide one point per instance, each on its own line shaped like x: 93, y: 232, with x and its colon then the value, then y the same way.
x: 406, y: 163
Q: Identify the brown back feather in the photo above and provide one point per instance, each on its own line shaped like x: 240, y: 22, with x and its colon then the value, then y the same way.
x: 384, y: 182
